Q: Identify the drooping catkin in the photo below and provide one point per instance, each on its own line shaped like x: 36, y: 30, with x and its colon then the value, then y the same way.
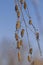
x: 19, y: 56
x: 30, y: 22
x: 29, y: 58
x: 16, y: 7
x: 17, y: 25
x: 21, y: 43
x: 18, y: 14
x: 16, y: 36
x: 37, y: 35
x: 22, y: 32
x: 30, y: 50
x: 18, y: 45
x: 25, y: 6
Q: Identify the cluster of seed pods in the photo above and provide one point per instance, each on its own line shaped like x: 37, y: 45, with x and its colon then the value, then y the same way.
x: 18, y: 8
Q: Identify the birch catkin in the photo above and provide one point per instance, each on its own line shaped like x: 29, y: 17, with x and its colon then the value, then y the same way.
x: 25, y: 6
x: 22, y: 32
x: 30, y: 22
x: 37, y: 35
x: 18, y: 45
x: 16, y: 7
x: 18, y: 14
x: 16, y: 36
x: 29, y: 58
x: 17, y: 25
x: 19, y: 56
x: 30, y: 50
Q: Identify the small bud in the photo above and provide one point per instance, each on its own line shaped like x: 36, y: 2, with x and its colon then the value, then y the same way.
x: 17, y: 25
x: 29, y: 59
x: 21, y: 42
x: 16, y: 36
x: 37, y: 35
x: 16, y: 8
x: 30, y: 22
x: 19, y: 56
x: 18, y: 14
x: 25, y: 5
x: 30, y: 50
x: 22, y: 32
x: 18, y: 45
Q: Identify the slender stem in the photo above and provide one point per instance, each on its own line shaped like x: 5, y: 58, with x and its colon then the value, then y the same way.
x: 25, y: 24
x: 31, y: 29
x: 39, y: 48
x: 34, y: 28
x: 26, y: 29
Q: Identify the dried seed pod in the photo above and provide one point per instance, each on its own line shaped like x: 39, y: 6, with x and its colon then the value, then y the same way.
x: 25, y: 5
x: 21, y: 1
x: 18, y: 45
x: 19, y: 56
x: 30, y: 22
x: 16, y: 7
x: 29, y: 58
x: 37, y: 35
x: 17, y: 25
x: 21, y: 42
x: 16, y: 36
x: 30, y: 50
x: 22, y: 32
x: 18, y: 14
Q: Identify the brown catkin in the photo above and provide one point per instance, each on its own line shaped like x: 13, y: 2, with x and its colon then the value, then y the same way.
x: 30, y: 22
x: 18, y: 45
x: 29, y: 58
x: 37, y: 35
x: 22, y: 33
x: 21, y: 42
x: 19, y: 56
x: 16, y: 7
x: 30, y: 50
x: 16, y: 36
x: 18, y: 14
x: 25, y: 5
x: 17, y: 25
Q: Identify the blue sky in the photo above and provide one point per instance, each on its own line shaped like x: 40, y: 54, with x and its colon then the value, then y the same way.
x: 8, y: 18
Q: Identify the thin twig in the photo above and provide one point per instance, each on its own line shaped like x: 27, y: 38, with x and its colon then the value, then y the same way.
x: 25, y: 26
x: 39, y: 48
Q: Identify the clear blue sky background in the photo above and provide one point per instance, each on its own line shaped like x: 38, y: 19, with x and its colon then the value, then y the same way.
x: 8, y: 18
